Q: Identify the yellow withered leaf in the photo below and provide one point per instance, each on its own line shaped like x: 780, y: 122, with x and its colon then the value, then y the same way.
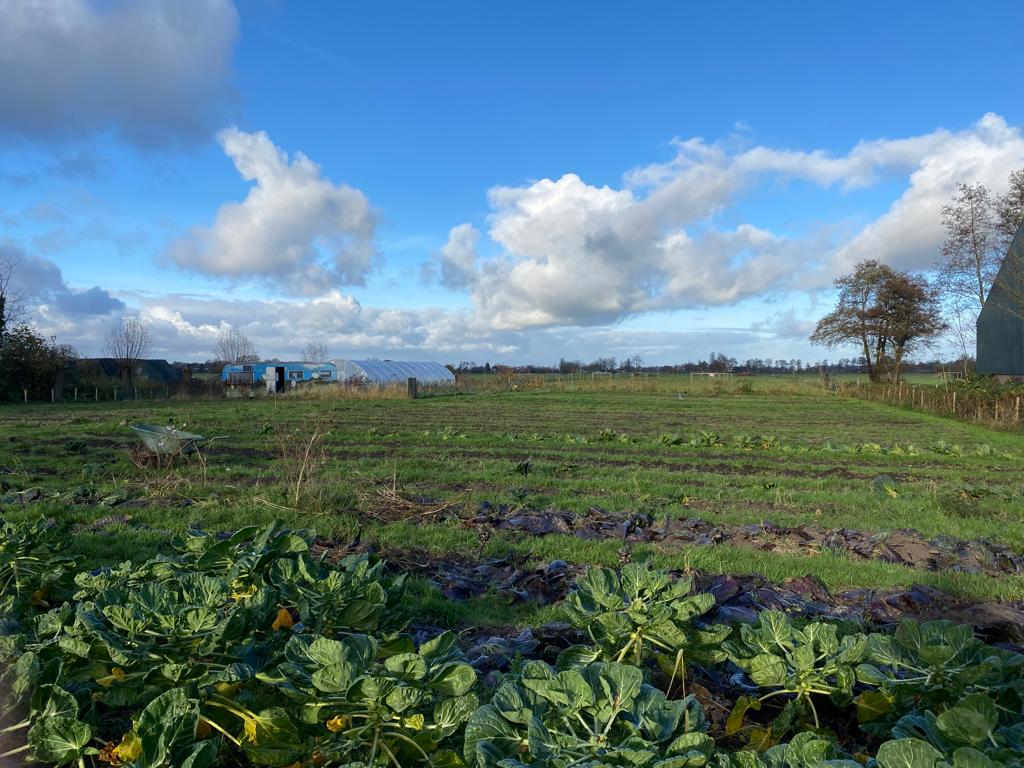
x: 284, y: 619
x: 871, y: 705
x: 761, y: 739
x: 227, y: 689
x: 414, y: 721
x: 243, y: 592
x: 129, y: 749
x: 116, y: 676
x: 337, y: 723
x: 734, y: 722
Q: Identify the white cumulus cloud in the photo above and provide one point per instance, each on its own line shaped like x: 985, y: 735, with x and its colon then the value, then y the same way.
x: 577, y: 254
x: 910, y: 234
x: 296, y: 230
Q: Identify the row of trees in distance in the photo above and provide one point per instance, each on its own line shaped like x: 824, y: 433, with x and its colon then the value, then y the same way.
x: 717, y: 362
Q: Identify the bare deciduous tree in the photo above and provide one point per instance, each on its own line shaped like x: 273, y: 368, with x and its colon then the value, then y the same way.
x: 971, y: 249
x: 888, y: 313
x: 314, y: 352
x: 234, y: 347
x: 1009, y: 210
x: 128, y: 342
x: 979, y: 229
x: 11, y: 304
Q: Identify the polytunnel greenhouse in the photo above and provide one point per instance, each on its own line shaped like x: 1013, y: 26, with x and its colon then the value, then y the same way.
x: 390, y: 371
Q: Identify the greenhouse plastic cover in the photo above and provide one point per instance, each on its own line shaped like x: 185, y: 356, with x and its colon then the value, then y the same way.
x: 386, y: 371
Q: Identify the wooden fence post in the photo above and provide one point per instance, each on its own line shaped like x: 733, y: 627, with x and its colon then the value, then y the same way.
x: 24, y: 392
x: 1016, y: 411
x: 53, y: 395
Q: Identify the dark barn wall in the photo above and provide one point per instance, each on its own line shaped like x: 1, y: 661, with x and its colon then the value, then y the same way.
x: 1000, y: 342
x: 1000, y: 324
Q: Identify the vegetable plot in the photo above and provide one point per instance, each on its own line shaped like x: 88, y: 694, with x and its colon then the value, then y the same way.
x: 247, y: 649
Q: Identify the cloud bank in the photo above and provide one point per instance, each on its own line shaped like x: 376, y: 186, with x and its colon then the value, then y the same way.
x: 560, y: 265
x: 60, y: 308
x: 575, y: 254
x: 156, y: 72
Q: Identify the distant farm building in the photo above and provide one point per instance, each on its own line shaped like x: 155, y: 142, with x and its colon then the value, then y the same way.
x: 276, y: 376
x: 391, y: 371
x: 1001, y: 322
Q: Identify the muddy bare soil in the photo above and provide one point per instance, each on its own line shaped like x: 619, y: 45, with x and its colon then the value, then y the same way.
x: 737, y: 598
x: 905, y: 547
x: 740, y: 598
x: 461, y: 577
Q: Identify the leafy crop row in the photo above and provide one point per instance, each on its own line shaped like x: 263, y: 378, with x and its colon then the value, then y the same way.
x: 247, y: 648
x: 749, y: 442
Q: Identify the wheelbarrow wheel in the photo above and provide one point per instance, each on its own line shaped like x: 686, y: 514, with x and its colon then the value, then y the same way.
x: 143, y: 458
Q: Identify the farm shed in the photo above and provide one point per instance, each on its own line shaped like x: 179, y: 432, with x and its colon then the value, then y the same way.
x: 152, y: 371
x: 276, y: 374
x: 1001, y: 322
x: 391, y: 371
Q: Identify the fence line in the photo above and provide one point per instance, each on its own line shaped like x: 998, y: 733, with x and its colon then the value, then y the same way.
x: 1002, y: 411
x: 88, y: 393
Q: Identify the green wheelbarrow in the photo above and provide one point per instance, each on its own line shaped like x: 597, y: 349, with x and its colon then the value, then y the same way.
x: 168, y: 441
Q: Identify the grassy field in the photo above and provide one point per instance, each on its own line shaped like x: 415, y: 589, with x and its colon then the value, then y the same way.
x: 411, y: 476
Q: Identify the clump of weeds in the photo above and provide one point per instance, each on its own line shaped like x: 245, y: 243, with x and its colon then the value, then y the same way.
x: 302, y: 456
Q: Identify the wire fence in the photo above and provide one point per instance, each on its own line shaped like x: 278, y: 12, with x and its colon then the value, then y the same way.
x: 108, y: 392
x: 1001, y: 410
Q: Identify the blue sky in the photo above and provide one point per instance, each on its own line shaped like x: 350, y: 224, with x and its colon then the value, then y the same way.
x: 467, y: 181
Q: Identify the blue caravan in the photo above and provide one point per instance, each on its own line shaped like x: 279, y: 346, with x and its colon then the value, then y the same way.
x: 277, y: 375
